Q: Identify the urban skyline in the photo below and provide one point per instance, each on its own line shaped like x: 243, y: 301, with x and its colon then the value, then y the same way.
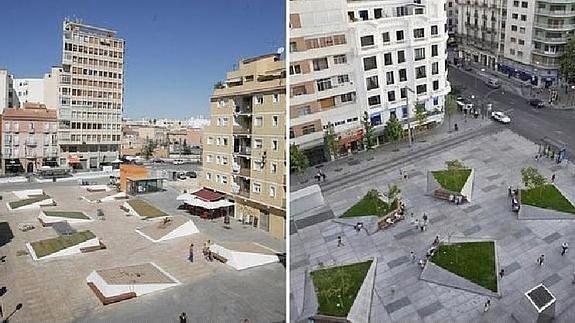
x: 185, y: 74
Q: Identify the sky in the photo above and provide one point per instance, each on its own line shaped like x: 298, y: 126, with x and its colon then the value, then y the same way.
x: 175, y: 49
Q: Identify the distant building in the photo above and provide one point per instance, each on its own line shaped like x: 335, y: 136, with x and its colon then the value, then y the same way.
x: 7, y: 97
x: 244, y: 147
x: 29, y: 138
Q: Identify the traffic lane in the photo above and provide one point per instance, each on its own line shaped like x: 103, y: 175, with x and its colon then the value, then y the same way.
x: 527, y: 121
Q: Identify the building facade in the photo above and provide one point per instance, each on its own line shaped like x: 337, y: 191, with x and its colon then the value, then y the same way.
x: 29, y: 138
x: 91, y: 95
x: 523, y: 39
x: 8, y: 98
x: 350, y: 57
x: 244, y: 155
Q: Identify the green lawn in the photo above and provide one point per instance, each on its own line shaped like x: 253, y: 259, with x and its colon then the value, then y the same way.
x: 547, y: 197
x: 474, y: 261
x: 370, y: 205
x: 67, y: 214
x: 145, y: 209
x: 452, y: 180
x: 47, y: 247
x: 23, y: 202
x: 338, y: 285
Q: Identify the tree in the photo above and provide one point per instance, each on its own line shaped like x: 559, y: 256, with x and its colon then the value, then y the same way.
x: 149, y: 148
x: 420, y: 114
x: 454, y: 165
x: 332, y: 141
x: 393, y: 192
x: 450, y: 108
x: 394, y: 129
x: 567, y: 62
x: 298, y: 161
x: 533, y: 179
x: 368, y: 131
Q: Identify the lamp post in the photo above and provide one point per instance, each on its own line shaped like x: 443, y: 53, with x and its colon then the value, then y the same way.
x: 408, y: 120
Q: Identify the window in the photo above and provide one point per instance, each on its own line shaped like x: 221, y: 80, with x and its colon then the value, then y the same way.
x: 258, y: 143
x: 259, y: 121
x: 419, y: 54
x: 320, y: 64
x: 389, y: 78
x: 400, y: 56
x: 369, y: 63
x: 305, y: 110
x: 209, y: 176
x: 399, y: 35
x: 275, y: 121
x: 524, y: 4
x: 523, y: 17
x: 434, y: 30
x: 514, y: 16
x: 221, y: 103
x: 272, y: 191
x: 210, y: 140
x: 435, y: 101
x: 259, y: 99
x: 294, y: 69
x: 513, y: 27
x: 391, y: 96
x: 403, y: 93
x: 402, y: 75
x: 435, y: 85
x: 323, y: 84
x: 372, y: 82
x: 513, y: 39
x: 434, y: 50
x: 387, y: 59
x: 516, y: 4
x: 374, y: 100
x: 340, y: 59
x: 224, y: 179
x: 273, y: 168
x: 348, y: 97
x: 420, y: 72
x: 519, y: 54
x: 522, y: 30
x: 421, y: 89
x: 257, y: 188
x: 306, y: 130
x: 435, y: 68
x: 209, y: 158
x: 363, y: 14
x: 367, y: 41
x: 275, y: 97
x: 512, y: 51
x: 419, y: 33
x: 521, y: 42
x: 275, y: 145
x: 298, y: 90
x: 385, y: 37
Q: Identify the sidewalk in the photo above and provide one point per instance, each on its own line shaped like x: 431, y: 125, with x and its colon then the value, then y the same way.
x: 389, y: 152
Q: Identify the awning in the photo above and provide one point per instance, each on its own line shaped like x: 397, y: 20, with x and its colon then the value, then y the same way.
x: 73, y: 159
x: 208, y: 205
x: 208, y: 195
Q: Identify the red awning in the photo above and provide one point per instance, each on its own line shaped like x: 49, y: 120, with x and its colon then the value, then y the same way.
x: 208, y: 195
x: 72, y: 159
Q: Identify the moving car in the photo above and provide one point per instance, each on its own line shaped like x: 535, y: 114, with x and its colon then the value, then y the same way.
x: 501, y: 117
x: 493, y: 83
x: 178, y: 162
x: 536, y: 103
x: 191, y: 174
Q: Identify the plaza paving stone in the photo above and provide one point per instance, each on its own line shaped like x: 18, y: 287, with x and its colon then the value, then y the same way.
x: 398, y: 287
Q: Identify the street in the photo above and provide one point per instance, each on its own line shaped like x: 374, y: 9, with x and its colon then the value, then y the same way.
x: 531, y: 123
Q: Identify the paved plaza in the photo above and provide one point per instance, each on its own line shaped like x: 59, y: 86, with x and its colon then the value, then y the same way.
x: 55, y: 290
x: 400, y: 295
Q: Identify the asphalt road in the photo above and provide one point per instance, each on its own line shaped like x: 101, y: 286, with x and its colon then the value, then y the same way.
x: 533, y: 124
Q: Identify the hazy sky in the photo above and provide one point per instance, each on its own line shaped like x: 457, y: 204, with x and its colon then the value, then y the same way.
x: 175, y: 49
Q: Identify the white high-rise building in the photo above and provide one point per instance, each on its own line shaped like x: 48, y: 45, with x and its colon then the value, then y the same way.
x: 350, y: 57
x: 91, y: 95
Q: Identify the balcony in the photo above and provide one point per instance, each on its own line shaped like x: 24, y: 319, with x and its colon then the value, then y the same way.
x: 544, y: 53
x: 31, y: 142
x: 245, y: 110
x: 243, y: 193
x: 555, y: 13
x: 239, y: 130
x: 244, y: 171
x: 551, y: 40
x: 547, y: 26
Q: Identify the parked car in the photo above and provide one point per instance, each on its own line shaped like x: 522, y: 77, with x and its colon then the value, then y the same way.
x: 158, y: 161
x: 182, y: 176
x: 501, y: 117
x: 493, y: 83
x: 191, y: 174
x: 536, y: 103
x: 178, y: 162
x: 467, y: 67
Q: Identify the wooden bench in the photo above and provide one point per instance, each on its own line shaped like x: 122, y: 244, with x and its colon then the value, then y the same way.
x: 94, y: 248
x: 109, y: 300
x: 441, y: 194
x: 219, y: 257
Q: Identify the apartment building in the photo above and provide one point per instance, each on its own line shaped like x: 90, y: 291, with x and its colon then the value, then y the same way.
x: 29, y: 138
x: 7, y: 96
x: 244, y: 155
x: 452, y: 17
x: 521, y: 38
x: 351, y: 57
x: 91, y: 95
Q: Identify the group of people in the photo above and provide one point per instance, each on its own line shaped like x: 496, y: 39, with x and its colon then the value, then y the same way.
x: 430, y: 252
x: 421, y: 224
x: 513, y: 193
x: 207, y: 253
x: 320, y: 176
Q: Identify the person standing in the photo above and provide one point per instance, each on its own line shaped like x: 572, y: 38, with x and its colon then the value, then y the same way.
x: 487, y: 306
x: 510, y: 191
x: 540, y: 260
x: 191, y: 256
x: 339, y: 243
x: 553, y: 178
x: 183, y: 317
x: 564, y: 248
x: 501, y: 273
x: 412, y: 255
x: 322, y: 175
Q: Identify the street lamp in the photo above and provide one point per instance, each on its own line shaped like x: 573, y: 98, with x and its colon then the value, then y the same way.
x: 408, y: 121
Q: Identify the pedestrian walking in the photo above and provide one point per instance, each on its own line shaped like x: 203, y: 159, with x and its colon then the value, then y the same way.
x: 564, y: 248
x: 339, y: 243
x: 322, y: 174
x: 412, y: 255
x: 318, y: 176
x: 183, y: 317
x: 502, y: 273
x: 510, y: 191
x: 553, y: 178
x: 191, y: 256
x: 436, y: 241
x: 405, y: 175
x: 424, y: 218
x: 573, y: 281
x: 487, y: 306
x: 540, y: 260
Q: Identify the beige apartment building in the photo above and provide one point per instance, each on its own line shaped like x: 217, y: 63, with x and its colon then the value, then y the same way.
x: 91, y: 95
x: 244, y: 155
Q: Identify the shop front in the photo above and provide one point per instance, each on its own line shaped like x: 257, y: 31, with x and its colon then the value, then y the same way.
x: 207, y: 204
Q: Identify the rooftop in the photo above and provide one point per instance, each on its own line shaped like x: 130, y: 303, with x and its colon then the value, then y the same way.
x: 31, y: 111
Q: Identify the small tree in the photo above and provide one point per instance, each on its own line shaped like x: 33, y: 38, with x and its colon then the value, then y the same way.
x: 567, y: 62
x: 149, y: 148
x: 532, y: 179
x: 332, y: 141
x: 393, y: 192
x: 454, y: 165
x: 368, y: 131
x: 394, y: 130
x: 450, y: 108
x: 298, y: 161
x: 420, y: 114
